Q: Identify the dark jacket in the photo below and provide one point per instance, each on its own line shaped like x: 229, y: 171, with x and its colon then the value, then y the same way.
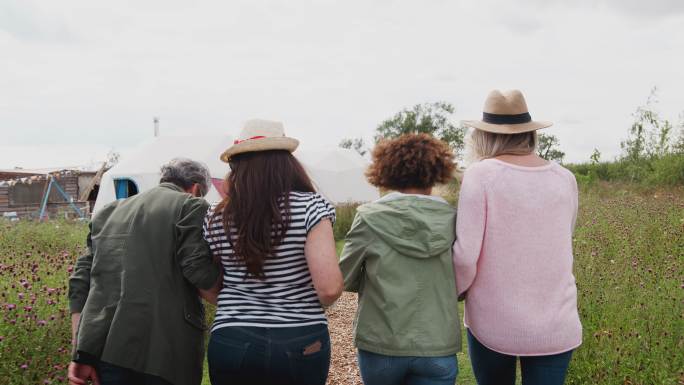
x: 136, y: 287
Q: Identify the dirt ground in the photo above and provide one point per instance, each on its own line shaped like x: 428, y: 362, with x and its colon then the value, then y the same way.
x: 343, y: 367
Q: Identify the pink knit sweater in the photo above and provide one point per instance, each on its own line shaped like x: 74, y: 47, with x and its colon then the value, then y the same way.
x: 513, y: 257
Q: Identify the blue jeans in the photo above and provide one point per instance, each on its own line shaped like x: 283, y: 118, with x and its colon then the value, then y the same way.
x: 493, y: 368
x: 115, y: 375
x: 273, y: 356
x: 379, y: 369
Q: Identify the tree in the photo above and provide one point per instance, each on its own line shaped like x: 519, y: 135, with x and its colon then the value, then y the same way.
x: 649, y: 135
x: 595, y: 156
x: 678, y: 145
x: 356, y: 144
x: 659, y: 140
x: 112, y: 159
x: 548, y: 148
x: 429, y: 118
x: 634, y: 147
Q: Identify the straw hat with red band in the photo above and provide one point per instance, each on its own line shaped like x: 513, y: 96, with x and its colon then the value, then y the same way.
x: 506, y: 113
x: 260, y: 135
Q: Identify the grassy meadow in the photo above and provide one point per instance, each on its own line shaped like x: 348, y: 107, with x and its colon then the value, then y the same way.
x: 629, y: 265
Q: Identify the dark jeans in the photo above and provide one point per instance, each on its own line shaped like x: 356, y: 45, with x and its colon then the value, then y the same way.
x: 493, y: 368
x: 379, y: 369
x: 277, y: 356
x: 115, y: 375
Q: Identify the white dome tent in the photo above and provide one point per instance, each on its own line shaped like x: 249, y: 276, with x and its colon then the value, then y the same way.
x: 338, y: 173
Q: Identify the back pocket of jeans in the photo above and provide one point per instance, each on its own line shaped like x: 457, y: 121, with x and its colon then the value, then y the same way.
x: 441, y: 366
x: 310, y: 359
x: 225, y: 355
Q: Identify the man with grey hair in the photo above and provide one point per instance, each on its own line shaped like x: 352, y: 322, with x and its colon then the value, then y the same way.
x: 134, y: 296
x: 187, y: 173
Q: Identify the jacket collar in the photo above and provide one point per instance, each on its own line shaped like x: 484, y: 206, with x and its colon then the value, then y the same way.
x: 397, y: 195
x: 171, y: 186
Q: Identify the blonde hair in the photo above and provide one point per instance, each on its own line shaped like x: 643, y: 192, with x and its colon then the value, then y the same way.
x: 489, y: 145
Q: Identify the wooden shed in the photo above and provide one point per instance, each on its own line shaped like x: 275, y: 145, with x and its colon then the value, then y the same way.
x: 22, y: 193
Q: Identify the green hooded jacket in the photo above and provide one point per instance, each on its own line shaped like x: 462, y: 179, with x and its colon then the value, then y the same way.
x: 397, y: 256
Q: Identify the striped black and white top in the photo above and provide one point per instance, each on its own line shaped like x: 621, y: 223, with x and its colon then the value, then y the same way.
x: 285, y: 297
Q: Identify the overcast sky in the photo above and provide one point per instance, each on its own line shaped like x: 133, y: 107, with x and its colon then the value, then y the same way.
x: 78, y: 77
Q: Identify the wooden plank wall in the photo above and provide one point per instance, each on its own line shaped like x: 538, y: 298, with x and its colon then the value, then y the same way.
x: 55, y: 209
x: 70, y: 185
x: 4, y: 196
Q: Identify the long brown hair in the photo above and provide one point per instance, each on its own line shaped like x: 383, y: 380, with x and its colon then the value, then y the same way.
x: 256, y: 210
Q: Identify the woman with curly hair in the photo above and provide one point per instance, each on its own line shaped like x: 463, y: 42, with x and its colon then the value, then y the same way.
x: 397, y: 256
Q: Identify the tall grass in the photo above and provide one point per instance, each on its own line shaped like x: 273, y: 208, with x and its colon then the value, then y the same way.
x: 629, y: 266
x: 35, y: 337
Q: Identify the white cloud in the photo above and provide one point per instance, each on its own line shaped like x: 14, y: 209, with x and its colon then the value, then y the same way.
x: 656, y: 9
x: 328, y: 69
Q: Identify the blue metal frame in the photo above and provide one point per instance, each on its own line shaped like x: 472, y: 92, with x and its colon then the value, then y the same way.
x: 43, y: 205
x: 64, y: 195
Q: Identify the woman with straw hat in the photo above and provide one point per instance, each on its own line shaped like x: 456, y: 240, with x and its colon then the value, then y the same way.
x: 513, y: 254
x: 273, y: 234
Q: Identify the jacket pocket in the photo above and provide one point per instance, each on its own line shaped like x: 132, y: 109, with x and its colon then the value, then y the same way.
x: 193, y: 308
x: 194, y: 315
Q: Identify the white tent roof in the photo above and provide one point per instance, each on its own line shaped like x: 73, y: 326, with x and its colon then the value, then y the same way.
x: 337, y: 173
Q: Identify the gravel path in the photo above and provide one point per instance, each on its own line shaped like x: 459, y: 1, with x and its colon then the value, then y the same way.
x: 343, y: 367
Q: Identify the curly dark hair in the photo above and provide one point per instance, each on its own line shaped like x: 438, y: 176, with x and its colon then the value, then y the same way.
x: 411, y: 161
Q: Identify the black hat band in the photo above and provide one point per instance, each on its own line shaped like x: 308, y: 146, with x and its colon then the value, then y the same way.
x: 506, y: 119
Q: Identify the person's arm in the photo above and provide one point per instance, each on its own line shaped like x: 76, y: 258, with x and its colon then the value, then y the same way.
x: 75, y: 320
x: 80, y: 373
x: 79, y: 285
x: 193, y: 251
x: 353, y: 255
x: 211, y: 295
x: 470, y: 228
x: 575, y: 201
x: 321, y: 257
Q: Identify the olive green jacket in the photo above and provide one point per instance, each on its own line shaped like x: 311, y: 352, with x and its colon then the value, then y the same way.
x: 136, y: 287
x: 397, y: 256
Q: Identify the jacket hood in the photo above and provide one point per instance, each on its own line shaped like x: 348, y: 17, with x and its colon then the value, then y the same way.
x: 414, y: 226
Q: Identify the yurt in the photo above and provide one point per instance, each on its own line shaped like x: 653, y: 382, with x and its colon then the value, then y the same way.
x: 338, y: 173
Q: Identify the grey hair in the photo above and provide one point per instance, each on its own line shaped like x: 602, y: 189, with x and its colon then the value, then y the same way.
x: 185, y: 172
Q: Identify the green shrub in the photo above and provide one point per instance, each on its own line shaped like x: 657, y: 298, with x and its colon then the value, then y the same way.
x: 665, y: 170
x: 345, y: 217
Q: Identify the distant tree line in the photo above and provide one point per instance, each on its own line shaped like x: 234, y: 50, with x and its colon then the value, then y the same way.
x: 652, y: 153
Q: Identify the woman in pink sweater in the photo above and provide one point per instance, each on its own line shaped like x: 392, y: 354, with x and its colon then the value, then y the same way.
x: 513, y: 253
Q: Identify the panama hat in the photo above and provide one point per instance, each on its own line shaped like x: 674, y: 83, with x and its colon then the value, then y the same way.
x: 260, y: 135
x: 506, y: 113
